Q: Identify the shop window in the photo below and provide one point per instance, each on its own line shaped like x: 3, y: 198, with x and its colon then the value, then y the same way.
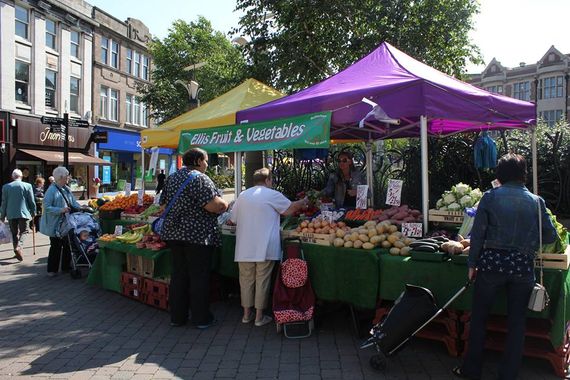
x: 104, y: 102
x: 22, y: 81
x: 522, y: 91
x: 75, y: 44
x: 114, y: 54
x: 114, y: 106
x: 129, y: 61
x: 22, y: 22
x: 51, y: 34
x: 129, y: 109
x: 51, y: 88
x: 104, y: 50
x: 74, y: 95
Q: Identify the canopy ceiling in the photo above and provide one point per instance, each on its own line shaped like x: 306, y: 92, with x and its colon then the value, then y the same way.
x: 405, y: 89
x: 218, y: 112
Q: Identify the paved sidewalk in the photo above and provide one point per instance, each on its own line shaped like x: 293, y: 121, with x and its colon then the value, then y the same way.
x: 62, y: 328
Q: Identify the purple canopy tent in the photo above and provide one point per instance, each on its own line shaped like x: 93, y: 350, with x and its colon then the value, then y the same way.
x: 424, y: 101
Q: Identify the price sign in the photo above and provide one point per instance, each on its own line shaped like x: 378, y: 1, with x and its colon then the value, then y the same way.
x: 157, y: 199
x: 362, y: 197
x: 412, y: 229
x: 140, y: 197
x: 495, y: 183
x: 127, y: 189
x: 328, y: 216
x: 394, y: 194
x: 118, y: 230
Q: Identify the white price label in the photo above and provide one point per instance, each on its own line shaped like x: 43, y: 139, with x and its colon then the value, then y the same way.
x: 140, y: 197
x: 495, y: 183
x: 362, y: 197
x: 412, y: 229
x: 127, y: 189
x: 328, y: 216
x: 118, y: 230
x: 394, y: 193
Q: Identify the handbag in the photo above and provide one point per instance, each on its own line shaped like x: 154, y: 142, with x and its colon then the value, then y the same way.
x: 158, y: 223
x: 539, y: 298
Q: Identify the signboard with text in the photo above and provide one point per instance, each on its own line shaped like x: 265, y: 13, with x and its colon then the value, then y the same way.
x: 394, y: 193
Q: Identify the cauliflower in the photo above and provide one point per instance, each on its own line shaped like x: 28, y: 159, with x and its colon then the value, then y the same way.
x: 461, y: 189
x: 454, y: 207
x: 476, y: 194
x: 448, y: 198
x: 443, y: 208
x: 439, y: 204
x: 466, y: 201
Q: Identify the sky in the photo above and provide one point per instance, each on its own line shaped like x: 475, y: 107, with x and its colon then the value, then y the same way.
x: 512, y: 31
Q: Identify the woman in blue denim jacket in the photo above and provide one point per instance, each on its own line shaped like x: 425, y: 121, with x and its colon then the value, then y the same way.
x: 504, y: 240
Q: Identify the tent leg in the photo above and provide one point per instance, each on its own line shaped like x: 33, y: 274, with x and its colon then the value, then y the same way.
x: 424, y: 166
x: 142, y: 163
x: 534, y: 161
x: 370, y: 172
x: 237, y: 174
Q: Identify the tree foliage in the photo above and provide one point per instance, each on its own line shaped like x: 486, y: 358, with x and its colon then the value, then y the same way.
x: 185, y: 45
x: 295, y: 43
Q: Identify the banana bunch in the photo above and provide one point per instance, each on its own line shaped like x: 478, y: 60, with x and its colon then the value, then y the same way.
x: 131, y: 237
x: 142, y: 229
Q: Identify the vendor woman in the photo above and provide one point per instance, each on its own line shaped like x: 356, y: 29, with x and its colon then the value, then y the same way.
x: 342, y: 183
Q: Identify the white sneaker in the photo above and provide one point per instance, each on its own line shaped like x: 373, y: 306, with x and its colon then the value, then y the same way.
x: 52, y: 274
x: 265, y: 320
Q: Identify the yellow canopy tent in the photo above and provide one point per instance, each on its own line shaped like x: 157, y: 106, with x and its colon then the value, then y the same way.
x: 216, y: 113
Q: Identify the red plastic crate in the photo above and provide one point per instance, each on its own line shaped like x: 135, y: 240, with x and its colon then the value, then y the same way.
x: 131, y: 280
x: 156, y: 289
x: 158, y: 301
x: 134, y: 292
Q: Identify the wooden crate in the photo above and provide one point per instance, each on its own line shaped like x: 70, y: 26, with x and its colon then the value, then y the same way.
x: 455, y: 217
x: 556, y: 260
x: 319, y: 239
x: 140, y: 265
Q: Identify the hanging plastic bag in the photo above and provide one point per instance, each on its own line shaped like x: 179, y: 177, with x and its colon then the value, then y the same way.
x: 5, y: 234
x: 468, y: 219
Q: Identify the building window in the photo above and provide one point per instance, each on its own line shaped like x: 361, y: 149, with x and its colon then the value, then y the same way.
x: 495, y: 89
x: 51, y: 88
x: 551, y: 117
x: 136, y: 111
x: 522, y: 91
x: 114, y: 106
x: 75, y: 44
x: 22, y: 22
x: 104, y: 102
x: 129, y: 61
x: 74, y: 95
x: 137, y: 65
x: 51, y: 34
x: 146, y: 63
x: 550, y: 88
x: 104, y: 50
x: 114, y: 54
x: 22, y: 81
x: 129, y: 109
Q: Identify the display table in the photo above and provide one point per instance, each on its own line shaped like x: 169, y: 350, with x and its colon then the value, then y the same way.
x: 445, y: 278
x: 108, y: 225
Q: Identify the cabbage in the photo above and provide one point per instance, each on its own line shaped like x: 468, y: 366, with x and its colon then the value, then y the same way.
x: 449, y: 198
x: 439, y: 204
x: 561, y: 242
x: 466, y: 201
x: 461, y: 189
x: 443, y: 208
x: 476, y: 194
x: 454, y: 207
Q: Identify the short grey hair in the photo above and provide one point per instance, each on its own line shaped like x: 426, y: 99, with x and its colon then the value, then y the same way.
x: 60, y: 172
x: 17, y: 173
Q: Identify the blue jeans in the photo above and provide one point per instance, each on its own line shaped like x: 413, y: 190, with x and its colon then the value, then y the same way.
x: 518, y: 289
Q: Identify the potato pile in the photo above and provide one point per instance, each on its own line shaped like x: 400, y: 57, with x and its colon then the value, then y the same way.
x: 456, y: 247
x: 373, y: 234
x: 318, y: 226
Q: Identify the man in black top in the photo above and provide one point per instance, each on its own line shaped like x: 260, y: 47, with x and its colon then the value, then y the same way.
x: 161, y: 179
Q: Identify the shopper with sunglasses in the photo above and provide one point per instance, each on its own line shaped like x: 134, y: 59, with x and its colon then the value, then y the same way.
x: 342, y: 183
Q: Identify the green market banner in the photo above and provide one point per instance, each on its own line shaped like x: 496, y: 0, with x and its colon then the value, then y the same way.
x: 306, y: 131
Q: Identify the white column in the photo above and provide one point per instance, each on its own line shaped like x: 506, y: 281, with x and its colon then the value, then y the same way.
x: 237, y: 174
x: 143, y: 171
x: 370, y: 171
x: 7, y: 57
x: 64, y: 69
x: 424, y: 169
x: 85, y: 101
x: 534, y: 160
x: 38, y: 67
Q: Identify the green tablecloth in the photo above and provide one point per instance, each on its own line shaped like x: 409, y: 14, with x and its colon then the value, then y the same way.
x: 446, y: 278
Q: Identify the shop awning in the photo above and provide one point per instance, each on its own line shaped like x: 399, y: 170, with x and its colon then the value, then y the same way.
x: 218, y: 112
x: 52, y: 157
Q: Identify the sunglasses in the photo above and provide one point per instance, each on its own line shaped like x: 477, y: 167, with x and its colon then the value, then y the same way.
x: 343, y: 160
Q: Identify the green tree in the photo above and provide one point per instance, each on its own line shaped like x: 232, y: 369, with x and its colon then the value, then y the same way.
x: 185, y: 45
x: 295, y: 43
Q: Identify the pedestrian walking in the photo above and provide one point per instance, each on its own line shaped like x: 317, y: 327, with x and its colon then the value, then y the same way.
x: 161, y: 178
x: 19, y: 207
x: 256, y: 214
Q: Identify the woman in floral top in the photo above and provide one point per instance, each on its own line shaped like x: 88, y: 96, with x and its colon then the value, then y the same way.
x: 191, y: 231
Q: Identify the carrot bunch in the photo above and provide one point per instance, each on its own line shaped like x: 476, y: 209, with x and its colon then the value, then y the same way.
x: 358, y: 214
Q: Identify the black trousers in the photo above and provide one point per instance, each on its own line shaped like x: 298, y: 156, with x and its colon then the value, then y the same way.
x: 59, y: 248
x: 190, y: 282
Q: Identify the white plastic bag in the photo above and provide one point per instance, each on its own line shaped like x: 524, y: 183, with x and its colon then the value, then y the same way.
x: 5, y: 234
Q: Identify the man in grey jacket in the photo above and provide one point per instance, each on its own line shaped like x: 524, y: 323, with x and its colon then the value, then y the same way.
x: 19, y: 207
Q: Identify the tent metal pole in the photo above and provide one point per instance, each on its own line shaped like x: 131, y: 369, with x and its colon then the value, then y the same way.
x: 369, y: 171
x: 534, y: 160
x: 424, y: 166
x: 142, y: 163
x: 237, y: 174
